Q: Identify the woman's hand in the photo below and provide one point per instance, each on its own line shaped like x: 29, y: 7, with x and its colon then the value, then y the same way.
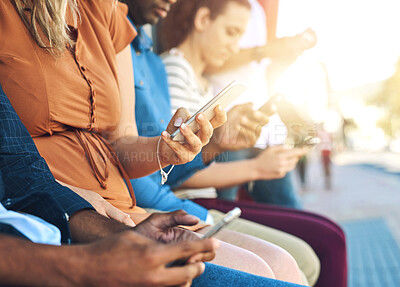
x: 276, y: 162
x: 241, y: 130
x: 101, y: 205
x: 173, y: 152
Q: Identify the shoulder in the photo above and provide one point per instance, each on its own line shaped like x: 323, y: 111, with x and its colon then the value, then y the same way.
x: 103, y: 10
x: 107, y: 18
x: 176, y: 64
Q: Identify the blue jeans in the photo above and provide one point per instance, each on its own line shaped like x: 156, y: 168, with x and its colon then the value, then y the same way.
x: 276, y: 191
x: 218, y: 276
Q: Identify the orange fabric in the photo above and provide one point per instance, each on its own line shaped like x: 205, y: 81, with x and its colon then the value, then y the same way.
x: 78, y: 90
x: 263, y: 3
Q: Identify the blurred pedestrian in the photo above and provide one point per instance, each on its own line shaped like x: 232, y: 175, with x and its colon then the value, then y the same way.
x: 326, y: 151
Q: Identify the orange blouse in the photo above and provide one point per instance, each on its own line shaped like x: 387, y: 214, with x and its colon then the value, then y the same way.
x: 67, y: 101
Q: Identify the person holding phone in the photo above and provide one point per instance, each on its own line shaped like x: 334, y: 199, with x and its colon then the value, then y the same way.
x: 190, y: 47
x: 184, y: 65
x: 152, y: 107
x: 190, y: 88
x: 79, y: 111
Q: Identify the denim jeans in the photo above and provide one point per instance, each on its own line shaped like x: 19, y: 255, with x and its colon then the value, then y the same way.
x: 277, y: 191
x: 218, y: 276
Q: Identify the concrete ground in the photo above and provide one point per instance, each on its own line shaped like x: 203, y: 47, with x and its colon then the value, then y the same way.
x: 365, y: 200
x: 364, y: 185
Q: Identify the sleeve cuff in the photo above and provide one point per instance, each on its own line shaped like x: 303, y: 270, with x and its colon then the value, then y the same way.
x: 69, y: 200
x: 182, y: 172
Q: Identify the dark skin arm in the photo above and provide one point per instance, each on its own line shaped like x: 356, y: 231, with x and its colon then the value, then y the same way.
x: 126, y: 259
x: 123, y: 259
x: 88, y: 226
x: 28, y: 264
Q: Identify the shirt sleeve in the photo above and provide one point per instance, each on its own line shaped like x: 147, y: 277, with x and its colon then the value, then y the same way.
x: 184, y: 171
x: 121, y: 30
x: 150, y: 193
x: 178, y: 81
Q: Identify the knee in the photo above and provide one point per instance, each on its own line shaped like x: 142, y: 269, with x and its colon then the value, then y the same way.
x: 284, y: 266
x: 257, y: 265
x: 310, y: 264
x: 243, y: 260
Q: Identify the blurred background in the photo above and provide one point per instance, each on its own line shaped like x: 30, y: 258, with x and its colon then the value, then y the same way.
x: 349, y: 84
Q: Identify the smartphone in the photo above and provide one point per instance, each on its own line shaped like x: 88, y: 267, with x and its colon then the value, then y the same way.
x: 309, y: 141
x: 224, y: 98
x: 228, y: 218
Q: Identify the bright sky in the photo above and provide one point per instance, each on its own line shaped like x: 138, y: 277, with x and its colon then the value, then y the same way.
x: 359, y: 40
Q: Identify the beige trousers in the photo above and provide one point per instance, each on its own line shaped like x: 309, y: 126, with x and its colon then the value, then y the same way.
x: 304, y: 255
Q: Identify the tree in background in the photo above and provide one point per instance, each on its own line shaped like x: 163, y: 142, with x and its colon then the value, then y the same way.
x: 389, y: 100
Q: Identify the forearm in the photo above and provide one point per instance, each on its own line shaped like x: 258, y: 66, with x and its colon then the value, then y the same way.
x: 272, y: 50
x: 221, y: 175
x: 138, y: 155
x: 27, y: 264
x: 88, y: 226
x: 211, y: 151
x: 237, y: 60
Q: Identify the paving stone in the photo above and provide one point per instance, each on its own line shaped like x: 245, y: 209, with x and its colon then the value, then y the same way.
x: 365, y: 198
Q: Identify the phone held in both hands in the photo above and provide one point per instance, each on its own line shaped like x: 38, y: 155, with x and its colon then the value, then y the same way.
x: 228, y: 218
x: 224, y: 98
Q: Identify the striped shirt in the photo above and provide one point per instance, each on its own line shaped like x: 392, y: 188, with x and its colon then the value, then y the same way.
x: 185, y: 90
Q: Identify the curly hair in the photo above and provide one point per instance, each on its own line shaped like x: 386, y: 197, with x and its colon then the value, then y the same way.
x: 175, y: 28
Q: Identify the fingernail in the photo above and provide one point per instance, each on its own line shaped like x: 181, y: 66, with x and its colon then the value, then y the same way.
x: 200, y: 117
x: 203, y: 267
x: 165, y: 134
x: 129, y: 222
x: 178, y: 122
x: 184, y: 127
x: 215, y: 243
x: 220, y: 108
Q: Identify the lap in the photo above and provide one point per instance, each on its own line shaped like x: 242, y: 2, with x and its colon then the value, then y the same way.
x: 303, y: 254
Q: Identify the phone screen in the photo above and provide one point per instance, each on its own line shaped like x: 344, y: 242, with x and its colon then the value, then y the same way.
x: 228, y: 218
x: 224, y: 98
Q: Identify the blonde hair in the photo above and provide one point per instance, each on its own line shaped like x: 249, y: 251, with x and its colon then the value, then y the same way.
x: 47, y: 23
